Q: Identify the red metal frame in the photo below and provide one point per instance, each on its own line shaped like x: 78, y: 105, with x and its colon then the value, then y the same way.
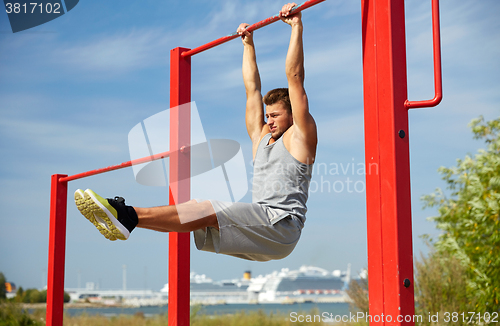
x: 438, y: 79
x: 57, y: 232
x: 390, y: 257
x: 387, y: 158
x: 180, y: 134
x: 57, y: 250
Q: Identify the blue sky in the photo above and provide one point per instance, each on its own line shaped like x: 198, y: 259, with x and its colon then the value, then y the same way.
x: 73, y: 88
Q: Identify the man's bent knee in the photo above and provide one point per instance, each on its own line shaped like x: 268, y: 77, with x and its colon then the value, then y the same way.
x: 197, y: 213
x: 209, y: 212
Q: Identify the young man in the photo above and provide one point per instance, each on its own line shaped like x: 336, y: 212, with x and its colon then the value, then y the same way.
x: 283, y: 149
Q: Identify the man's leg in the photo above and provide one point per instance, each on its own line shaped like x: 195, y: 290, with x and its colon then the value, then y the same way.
x: 115, y: 220
x: 185, y: 217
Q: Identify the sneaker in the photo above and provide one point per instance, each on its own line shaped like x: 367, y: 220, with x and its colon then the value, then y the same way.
x: 111, y: 217
x: 86, y: 211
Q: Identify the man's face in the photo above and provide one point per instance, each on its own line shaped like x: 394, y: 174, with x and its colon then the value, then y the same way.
x: 279, y: 119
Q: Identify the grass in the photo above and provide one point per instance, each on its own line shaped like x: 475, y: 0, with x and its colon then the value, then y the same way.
x: 13, y: 315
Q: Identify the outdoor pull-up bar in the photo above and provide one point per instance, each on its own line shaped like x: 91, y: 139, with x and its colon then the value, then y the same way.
x: 390, y: 255
x: 250, y: 28
x: 179, y: 252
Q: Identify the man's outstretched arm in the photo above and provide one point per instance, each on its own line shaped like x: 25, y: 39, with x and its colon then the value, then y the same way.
x: 304, y: 126
x: 254, y: 108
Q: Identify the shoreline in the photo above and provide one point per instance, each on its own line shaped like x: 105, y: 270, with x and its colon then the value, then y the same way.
x: 69, y: 305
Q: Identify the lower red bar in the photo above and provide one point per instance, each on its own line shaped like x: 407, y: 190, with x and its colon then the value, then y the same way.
x: 117, y: 167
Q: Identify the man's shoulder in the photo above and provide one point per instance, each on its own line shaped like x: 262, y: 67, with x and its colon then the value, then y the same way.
x: 301, y: 147
x: 264, y: 133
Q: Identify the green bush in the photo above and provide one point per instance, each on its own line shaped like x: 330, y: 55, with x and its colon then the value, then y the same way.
x: 2, y: 286
x: 11, y: 314
x: 441, y: 287
x: 358, y: 293
x: 34, y: 296
x: 469, y: 216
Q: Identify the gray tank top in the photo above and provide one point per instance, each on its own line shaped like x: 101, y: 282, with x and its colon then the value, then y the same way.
x: 280, y: 181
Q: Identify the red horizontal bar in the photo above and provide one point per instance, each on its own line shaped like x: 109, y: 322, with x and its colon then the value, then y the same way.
x: 438, y: 78
x: 117, y: 167
x: 250, y: 28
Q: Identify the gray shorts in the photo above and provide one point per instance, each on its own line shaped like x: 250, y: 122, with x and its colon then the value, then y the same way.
x: 246, y: 231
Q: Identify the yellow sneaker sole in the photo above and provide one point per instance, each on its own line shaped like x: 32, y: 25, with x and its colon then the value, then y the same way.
x: 101, y: 214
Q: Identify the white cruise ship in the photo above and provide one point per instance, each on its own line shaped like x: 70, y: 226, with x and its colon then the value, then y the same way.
x: 307, y: 284
x: 206, y: 291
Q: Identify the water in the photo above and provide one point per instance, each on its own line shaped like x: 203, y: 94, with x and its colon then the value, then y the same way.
x: 319, y: 308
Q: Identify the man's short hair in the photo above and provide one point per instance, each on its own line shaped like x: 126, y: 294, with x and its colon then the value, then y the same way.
x: 278, y: 95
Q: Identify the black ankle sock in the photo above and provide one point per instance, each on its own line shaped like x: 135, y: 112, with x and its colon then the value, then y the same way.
x: 133, y: 215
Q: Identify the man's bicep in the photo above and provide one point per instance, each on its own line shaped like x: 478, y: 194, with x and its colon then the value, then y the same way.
x: 300, y: 104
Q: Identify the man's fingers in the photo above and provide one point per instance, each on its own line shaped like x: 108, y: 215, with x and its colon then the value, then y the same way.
x: 285, y: 11
x: 242, y: 29
x: 243, y: 32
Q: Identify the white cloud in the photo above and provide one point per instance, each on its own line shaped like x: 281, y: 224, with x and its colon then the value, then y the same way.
x: 116, y: 53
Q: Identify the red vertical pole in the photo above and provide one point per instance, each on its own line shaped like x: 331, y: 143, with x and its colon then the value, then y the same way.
x: 57, y: 250
x: 390, y: 257
x: 179, y: 190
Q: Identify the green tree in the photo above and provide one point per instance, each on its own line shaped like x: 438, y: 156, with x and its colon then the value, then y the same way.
x: 2, y: 286
x: 469, y: 216
x: 67, y: 297
x: 358, y: 293
x: 440, y: 287
x: 19, y: 294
